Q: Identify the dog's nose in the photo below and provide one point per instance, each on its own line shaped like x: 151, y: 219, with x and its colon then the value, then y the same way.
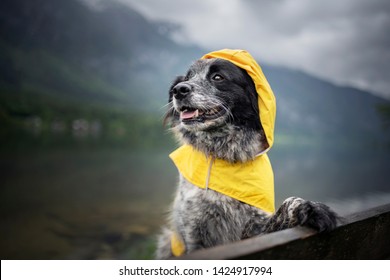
x: 181, y: 90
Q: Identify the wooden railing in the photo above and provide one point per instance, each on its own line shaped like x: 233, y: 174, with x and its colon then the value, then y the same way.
x: 364, y: 235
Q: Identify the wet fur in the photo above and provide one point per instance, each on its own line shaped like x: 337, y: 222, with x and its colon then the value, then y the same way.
x: 205, y: 218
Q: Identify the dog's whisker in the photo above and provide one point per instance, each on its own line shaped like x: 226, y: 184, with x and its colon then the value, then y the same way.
x: 228, y: 111
x: 168, y: 110
x: 169, y: 104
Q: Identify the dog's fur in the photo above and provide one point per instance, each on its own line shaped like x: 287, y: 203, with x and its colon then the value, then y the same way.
x: 228, y: 127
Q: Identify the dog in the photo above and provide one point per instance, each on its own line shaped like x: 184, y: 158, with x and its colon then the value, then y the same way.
x: 223, y: 112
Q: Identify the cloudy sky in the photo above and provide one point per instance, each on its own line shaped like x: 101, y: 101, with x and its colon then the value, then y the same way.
x: 344, y: 41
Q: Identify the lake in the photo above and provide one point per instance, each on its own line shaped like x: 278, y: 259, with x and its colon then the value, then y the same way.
x: 109, y: 203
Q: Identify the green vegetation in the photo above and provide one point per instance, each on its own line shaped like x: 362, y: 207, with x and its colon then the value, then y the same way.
x: 29, y: 119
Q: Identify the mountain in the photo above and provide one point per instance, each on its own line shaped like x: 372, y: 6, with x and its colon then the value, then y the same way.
x: 313, y: 107
x: 64, y: 51
x: 63, y: 47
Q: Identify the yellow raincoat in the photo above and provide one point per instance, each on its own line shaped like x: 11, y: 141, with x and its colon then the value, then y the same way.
x: 251, y: 182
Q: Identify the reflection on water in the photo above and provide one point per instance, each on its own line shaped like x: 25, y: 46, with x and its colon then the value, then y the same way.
x: 83, y: 204
x: 330, y: 174
x: 87, y: 204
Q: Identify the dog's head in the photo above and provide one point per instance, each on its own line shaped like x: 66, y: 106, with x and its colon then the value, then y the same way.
x: 212, y: 94
x: 215, y: 106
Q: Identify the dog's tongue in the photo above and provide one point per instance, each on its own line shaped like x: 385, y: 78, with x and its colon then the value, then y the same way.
x: 189, y: 114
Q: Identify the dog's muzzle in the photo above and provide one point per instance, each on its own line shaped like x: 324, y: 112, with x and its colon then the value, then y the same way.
x: 191, y: 113
x: 181, y: 90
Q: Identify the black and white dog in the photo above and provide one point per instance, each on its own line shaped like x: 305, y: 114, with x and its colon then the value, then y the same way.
x: 214, y: 108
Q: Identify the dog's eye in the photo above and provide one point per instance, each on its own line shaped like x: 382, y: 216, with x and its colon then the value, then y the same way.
x: 217, y: 77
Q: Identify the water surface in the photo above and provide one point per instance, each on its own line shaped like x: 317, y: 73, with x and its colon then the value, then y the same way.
x: 106, y: 203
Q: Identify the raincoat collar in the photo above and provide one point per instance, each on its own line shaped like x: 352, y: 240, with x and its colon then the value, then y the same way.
x: 251, y: 182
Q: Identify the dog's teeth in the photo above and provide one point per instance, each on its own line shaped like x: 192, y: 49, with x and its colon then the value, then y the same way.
x: 196, y: 113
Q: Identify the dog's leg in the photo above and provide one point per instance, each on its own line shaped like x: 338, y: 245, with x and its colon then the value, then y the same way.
x: 296, y: 211
x: 164, y: 245
x: 215, y: 226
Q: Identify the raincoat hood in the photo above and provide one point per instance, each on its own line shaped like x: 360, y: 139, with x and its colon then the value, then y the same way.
x: 251, y: 182
x: 266, y: 98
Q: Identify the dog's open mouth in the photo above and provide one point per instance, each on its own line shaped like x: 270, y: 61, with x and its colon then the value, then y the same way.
x: 188, y: 115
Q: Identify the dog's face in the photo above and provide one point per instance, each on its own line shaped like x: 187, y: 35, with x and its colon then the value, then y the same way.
x: 214, y: 93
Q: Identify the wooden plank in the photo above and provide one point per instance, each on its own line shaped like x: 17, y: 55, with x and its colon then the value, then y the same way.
x: 364, y: 235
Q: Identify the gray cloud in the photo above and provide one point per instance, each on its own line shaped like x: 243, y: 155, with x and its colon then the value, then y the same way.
x: 346, y: 42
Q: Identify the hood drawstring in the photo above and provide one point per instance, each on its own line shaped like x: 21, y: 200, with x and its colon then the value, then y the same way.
x: 209, y: 173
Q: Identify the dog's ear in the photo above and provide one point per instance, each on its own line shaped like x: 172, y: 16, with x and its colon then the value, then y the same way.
x: 253, y: 96
x: 254, y: 99
x: 170, y: 114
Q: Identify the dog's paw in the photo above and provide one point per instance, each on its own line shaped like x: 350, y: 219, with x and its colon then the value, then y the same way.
x: 316, y: 215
